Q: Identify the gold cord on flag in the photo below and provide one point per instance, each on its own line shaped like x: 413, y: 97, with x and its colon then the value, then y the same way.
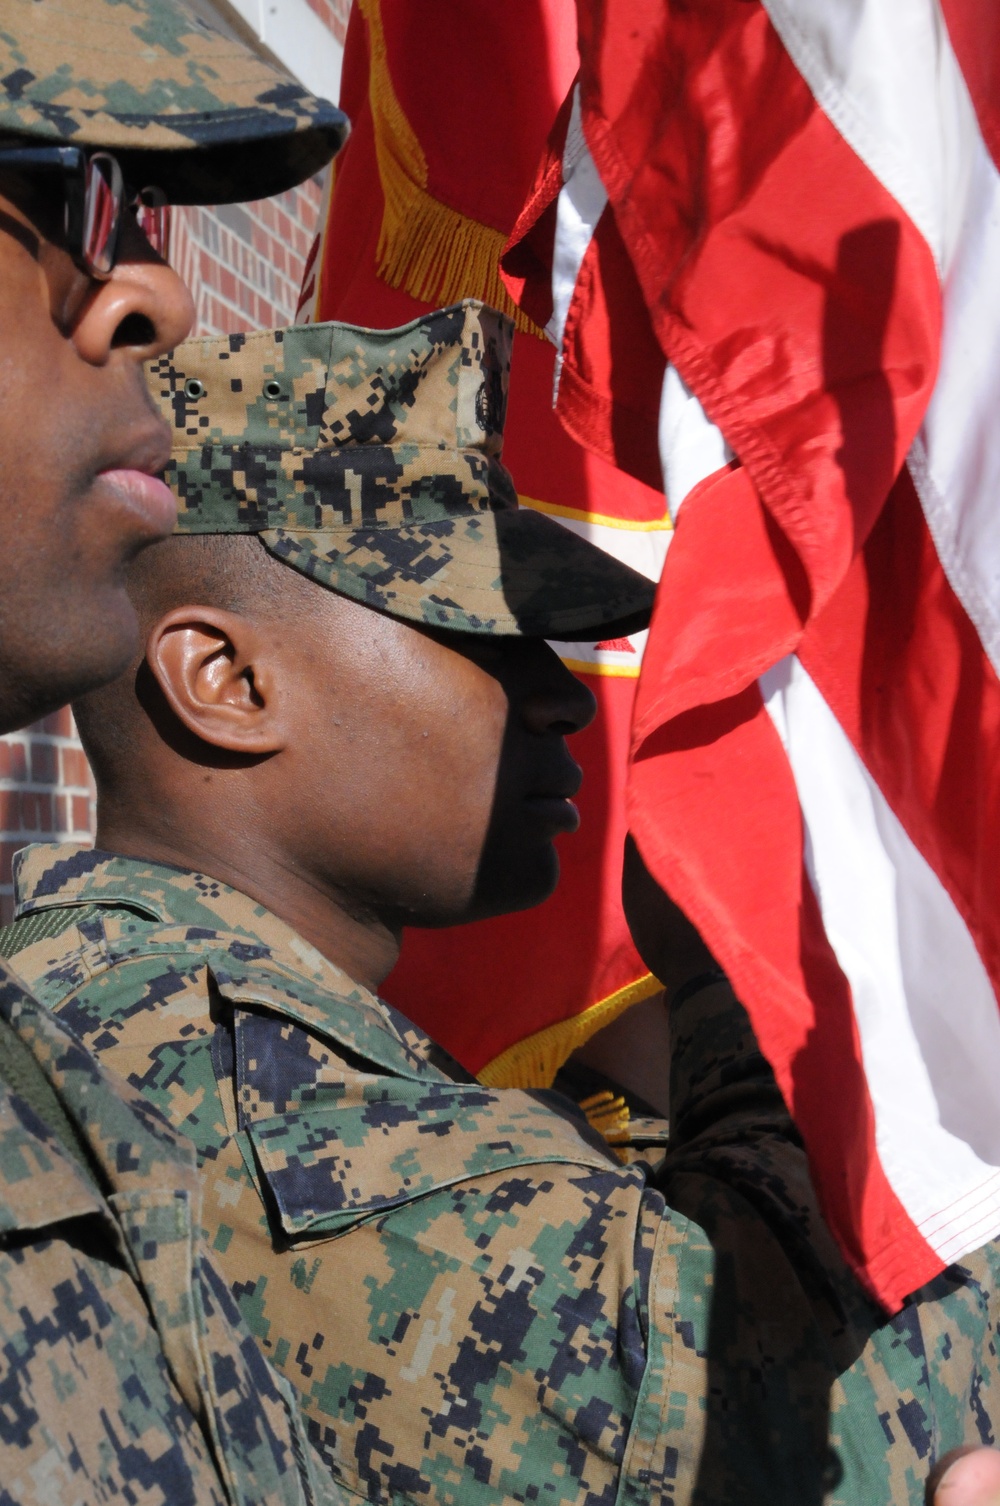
x: 608, y: 1113
x: 436, y: 254
x: 534, y: 1061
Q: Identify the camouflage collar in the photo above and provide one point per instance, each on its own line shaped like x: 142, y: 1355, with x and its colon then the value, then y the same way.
x: 51, y: 875
x: 200, y: 914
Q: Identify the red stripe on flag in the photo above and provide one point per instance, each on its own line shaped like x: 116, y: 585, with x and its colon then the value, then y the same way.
x: 731, y: 603
x: 614, y: 348
x: 902, y: 668
x: 713, y: 803
x: 783, y: 280
x: 974, y: 29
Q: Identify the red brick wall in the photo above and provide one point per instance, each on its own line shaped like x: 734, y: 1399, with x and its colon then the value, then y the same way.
x: 45, y: 790
x: 243, y: 264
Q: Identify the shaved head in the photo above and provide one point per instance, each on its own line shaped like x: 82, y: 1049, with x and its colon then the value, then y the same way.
x: 233, y: 571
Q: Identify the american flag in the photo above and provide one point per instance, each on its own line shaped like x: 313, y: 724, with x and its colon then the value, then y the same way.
x: 766, y: 240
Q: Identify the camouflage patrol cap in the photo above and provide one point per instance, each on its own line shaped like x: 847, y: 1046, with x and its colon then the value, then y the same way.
x: 197, y: 114
x: 370, y: 460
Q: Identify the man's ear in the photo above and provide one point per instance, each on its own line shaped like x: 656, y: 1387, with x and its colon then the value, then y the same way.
x: 215, y: 673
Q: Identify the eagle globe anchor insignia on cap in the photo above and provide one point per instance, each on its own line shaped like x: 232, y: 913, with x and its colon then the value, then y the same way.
x: 370, y: 460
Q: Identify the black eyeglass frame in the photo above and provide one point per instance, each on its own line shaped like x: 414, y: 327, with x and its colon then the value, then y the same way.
x: 73, y: 163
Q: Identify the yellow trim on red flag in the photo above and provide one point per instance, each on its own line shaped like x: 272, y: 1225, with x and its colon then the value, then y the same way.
x: 633, y: 525
x: 596, y: 667
x: 431, y: 250
x: 534, y: 1062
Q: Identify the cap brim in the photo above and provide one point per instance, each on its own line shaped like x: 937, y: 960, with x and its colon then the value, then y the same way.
x: 198, y: 114
x: 256, y: 161
x: 514, y: 572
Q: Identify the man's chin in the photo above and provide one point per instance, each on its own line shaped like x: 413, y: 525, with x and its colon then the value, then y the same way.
x: 503, y: 886
x: 44, y: 665
x: 511, y: 888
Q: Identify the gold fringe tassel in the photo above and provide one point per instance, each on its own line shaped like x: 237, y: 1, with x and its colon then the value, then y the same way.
x: 607, y: 1114
x: 534, y: 1062
x: 610, y: 1117
x: 436, y: 254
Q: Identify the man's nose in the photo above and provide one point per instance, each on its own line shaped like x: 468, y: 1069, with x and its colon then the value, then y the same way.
x: 558, y: 702
x: 143, y: 307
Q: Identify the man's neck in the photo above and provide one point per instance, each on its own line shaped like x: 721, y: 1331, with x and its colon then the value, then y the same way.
x: 355, y: 940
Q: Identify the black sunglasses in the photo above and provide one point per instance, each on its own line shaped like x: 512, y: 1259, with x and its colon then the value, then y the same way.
x: 96, y: 198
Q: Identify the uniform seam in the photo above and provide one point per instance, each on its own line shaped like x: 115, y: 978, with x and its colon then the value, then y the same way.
x: 637, y: 1461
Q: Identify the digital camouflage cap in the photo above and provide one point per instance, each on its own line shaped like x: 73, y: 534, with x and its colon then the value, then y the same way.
x: 199, y: 115
x: 370, y: 460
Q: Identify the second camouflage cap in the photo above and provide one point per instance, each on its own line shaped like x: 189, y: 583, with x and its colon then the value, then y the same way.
x: 201, y: 115
x: 370, y: 460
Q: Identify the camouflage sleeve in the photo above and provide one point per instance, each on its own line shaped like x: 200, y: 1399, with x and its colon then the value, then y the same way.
x: 88, y: 1406
x: 127, y: 1371
x: 734, y: 1403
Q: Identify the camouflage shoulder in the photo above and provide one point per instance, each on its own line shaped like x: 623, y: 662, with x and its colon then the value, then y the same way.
x: 125, y: 1135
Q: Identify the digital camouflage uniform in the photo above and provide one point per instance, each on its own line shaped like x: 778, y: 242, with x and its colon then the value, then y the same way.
x: 125, y: 1373
x: 474, y: 1301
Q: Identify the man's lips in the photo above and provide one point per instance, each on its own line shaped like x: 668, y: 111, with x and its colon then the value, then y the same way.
x: 552, y: 802
x: 148, y: 500
x: 557, y: 812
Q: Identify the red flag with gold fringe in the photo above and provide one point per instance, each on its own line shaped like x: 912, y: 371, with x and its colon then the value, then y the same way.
x: 451, y: 103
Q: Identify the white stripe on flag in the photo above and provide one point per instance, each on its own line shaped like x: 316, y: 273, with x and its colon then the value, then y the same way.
x: 955, y: 460
x: 582, y: 200
x: 926, y: 1015
x: 691, y: 448
x: 888, y: 78
x: 886, y: 75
